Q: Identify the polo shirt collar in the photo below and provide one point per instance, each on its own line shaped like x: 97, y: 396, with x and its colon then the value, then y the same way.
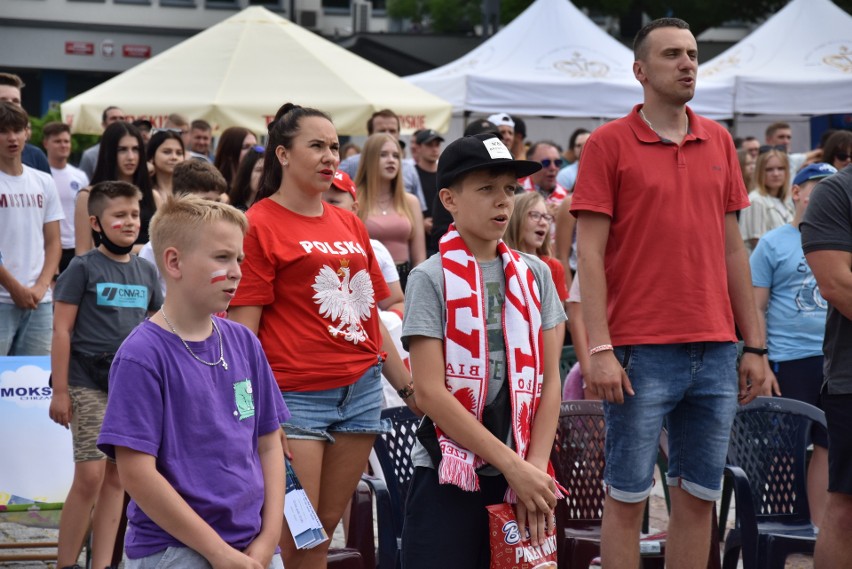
x: 646, y: 134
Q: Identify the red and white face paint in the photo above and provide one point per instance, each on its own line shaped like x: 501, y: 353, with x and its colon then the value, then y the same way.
x: 218, y: 276
x: 117, y: 225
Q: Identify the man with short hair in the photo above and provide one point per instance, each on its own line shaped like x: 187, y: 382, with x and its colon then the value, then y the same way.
x: 56, y: 139
x: 429, y: 149
x: 10, y: 91
x: 89, y: 160
x: 387, y: 121
x: 751, y: 145
x: 780, y: 135
x: 664, y: 275
x: 827, y: 242
x: 178, y: 122
x: 544, y: 181
x: 200, y: 137
x: 29, y: 239
x: 568, y: 175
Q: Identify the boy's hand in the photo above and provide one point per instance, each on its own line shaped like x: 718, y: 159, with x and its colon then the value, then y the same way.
x: 233, y: 559
x: 37, y: 292
x: 22, y: 297
x: 60, y: 408
x: 540, y: 524
x: 536, y: 492
x: 260, y: 552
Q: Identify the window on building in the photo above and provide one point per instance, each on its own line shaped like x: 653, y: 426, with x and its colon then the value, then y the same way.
x: 380, y: 5
x: 265, y: 3
x: 225, y: 4
x: 178, y: 3
x: 336, y: 4
x: 139, y: 2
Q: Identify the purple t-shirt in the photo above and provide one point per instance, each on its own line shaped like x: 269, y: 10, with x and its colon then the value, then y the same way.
x: 200, y: 422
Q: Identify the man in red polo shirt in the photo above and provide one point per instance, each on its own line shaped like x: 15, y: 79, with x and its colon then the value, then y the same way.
x: 664, y: 275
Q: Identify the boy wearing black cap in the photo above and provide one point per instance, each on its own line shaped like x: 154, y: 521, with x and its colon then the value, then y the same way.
x: 479, y: 326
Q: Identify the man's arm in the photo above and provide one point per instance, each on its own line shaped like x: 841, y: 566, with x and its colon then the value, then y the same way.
x: 248, y: 316
x: 831, y: 269
x: 761, y: 301
x: 272, y: 463
x: 564, y: 224
x: 752, y: 367
x: 607, y: 379
x: 395, y: 371
x: 52, y: 254
x: 64, y: 317
x: 82, y: 229
x: 166, y: 508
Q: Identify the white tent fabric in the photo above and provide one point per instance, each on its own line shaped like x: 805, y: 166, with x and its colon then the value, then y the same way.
x: 551, y: 60
x: 240, y: 71
x: 798, y: 62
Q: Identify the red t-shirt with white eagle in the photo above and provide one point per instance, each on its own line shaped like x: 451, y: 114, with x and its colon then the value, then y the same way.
x: 318, y: 282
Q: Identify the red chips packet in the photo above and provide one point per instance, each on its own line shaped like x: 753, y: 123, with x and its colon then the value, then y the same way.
x: 508, y: 550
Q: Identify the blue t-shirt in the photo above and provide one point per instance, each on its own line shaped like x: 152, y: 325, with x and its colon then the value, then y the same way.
x: 795, y: 315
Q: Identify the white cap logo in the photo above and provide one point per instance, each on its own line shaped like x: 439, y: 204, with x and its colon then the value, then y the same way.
x: 496, y: 148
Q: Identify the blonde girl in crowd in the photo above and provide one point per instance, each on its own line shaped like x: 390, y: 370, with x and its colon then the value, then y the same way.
x: 309, y: 289
x: 771, y: 205
x: 391, y: 214
x: 529, y: 232
x: 165, y: 151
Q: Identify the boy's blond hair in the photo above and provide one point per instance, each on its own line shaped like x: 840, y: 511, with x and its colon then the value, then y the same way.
x: 179, y: 222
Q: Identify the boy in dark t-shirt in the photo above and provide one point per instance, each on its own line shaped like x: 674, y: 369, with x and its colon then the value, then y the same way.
x: 99, y: 299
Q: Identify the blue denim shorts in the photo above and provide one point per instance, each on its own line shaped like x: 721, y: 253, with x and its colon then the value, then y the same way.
x: 356, y: 409
x: 183, y: 557
x: 692, y: 389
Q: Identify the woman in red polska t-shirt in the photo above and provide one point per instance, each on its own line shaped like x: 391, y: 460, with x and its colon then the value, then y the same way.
x: 309, y: 290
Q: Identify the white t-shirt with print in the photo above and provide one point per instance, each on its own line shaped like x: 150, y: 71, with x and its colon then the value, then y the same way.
x: 69, y: 181
x: 27, y: 203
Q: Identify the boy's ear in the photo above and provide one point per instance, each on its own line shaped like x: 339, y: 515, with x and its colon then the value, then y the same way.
x: 355, y: 207
x: 447, y: 197
x: 93, y: 221
x: 171, y: 262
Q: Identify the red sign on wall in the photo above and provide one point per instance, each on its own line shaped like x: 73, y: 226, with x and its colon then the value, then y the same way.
x: 79, y: 48
x: 140, y: 51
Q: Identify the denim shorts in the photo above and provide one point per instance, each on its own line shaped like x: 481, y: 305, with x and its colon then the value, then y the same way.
x: 355, y: 409
x: 692, y: 389
x: 183, y: 557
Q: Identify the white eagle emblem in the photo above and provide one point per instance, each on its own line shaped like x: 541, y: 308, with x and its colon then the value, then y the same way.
x: 348, y: 301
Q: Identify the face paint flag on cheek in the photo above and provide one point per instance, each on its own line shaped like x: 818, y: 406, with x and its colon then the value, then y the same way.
x: 117, y: 225
x: 218, y: 276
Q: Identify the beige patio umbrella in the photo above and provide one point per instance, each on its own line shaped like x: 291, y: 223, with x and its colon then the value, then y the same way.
x: 240, y: 71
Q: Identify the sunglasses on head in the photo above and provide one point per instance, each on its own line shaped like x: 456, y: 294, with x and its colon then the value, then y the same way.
x: 766, y: 148
x: 175, y: 130
x: 547, y: 162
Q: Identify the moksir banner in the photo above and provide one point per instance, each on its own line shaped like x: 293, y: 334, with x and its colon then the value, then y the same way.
x: 35, y: 452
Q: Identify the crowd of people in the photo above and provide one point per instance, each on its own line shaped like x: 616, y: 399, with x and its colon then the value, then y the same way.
x: 213, y: 312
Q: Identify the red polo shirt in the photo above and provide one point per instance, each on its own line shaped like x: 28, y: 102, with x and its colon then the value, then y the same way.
x: 665, y: 257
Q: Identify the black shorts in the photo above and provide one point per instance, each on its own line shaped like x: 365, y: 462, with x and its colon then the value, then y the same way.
x: 838, y: 414
x: 445, y: 526
x: 802, y: 380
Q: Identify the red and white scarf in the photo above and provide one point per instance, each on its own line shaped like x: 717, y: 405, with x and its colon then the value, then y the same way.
x: 556, y: 196
x: 466, y: 351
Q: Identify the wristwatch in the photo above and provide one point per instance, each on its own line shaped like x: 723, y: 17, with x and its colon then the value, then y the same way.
x: 755, y: 351
x: 406, y: 391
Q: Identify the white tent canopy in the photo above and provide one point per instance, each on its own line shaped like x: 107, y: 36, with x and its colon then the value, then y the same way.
x: 240, y: 71
x: 798, y: 62
x: 551, y: 60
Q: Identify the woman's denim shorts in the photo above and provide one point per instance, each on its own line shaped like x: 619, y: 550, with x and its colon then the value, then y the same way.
x: 355, y: 409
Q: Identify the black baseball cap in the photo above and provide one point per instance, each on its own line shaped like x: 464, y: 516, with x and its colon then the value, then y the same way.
x: 427, y: 135
x: 479, y: 151
x: 481, y: 126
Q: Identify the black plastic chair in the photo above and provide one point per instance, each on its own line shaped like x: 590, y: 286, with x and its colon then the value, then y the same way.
x: 578, y: 461
x: 767, y: 464
x: 394, y: 453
